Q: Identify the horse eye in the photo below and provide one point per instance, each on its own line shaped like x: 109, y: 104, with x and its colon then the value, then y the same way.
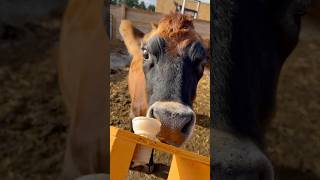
x: 145, y: 54
x: 201, y: 64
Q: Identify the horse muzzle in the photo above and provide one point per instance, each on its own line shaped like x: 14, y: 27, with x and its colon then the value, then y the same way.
x: 177, y: 121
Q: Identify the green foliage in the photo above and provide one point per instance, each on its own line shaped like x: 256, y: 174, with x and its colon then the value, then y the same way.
x: 134, y: 4
x: 114, y: 2
x: 117, y: 2
x: 142, y: 5
x: 151, y: 8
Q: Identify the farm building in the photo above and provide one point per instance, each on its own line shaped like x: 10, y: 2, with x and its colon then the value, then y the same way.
x: 200, y: 10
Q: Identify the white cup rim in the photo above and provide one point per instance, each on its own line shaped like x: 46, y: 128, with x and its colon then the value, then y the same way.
x: 139, y: 118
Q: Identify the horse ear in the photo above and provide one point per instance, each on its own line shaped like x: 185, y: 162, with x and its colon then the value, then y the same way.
x: 206, y: 43
x: 131, y: 36
x: 154, y: 26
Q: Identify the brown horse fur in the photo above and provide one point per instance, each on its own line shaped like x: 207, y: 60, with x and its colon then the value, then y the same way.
x: 178, y: 31
x: 82, y: 67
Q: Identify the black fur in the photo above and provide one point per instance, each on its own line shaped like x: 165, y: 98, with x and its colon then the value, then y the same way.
x: 251, y: 40
x: 173, y: 77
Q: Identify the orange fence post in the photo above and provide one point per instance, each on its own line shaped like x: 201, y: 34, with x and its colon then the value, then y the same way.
x: 121, y: 152
x: 185, y: 165
x: 186, y: 169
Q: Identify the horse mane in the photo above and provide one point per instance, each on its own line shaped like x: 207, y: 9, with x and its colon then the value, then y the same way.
x: 131, y: 37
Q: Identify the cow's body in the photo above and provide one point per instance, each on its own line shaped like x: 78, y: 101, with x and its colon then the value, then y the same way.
x: 82, y: 68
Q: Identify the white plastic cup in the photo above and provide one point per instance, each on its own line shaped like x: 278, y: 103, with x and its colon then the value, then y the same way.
x: 149, y: 128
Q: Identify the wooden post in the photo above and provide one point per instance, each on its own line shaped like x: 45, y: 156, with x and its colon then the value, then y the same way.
x: 123, y: 11
x: 197, y: 13
x: 111, y: 27
x: 183, y: 6
x: 113, y: 32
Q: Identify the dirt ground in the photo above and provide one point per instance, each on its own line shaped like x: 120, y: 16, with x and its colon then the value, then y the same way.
x: 294, y: 136
x: 32, y: 116
x: 34, y: 122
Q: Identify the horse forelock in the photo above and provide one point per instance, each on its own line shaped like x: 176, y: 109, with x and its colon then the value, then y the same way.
x: 177, y: 30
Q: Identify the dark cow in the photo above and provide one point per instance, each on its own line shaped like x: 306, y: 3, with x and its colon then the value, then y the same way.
x: 251, y: 41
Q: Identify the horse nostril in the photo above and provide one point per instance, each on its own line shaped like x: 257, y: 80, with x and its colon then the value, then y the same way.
x: 185, y: 129
x: 151, y: 113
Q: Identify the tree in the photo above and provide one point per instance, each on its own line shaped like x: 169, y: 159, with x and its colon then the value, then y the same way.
x: 132, y: 3
x: 142, y: 5
x: 114, y: 2
x: 151, y: 8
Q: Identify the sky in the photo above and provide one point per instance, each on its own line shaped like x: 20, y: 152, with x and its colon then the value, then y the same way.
x: 154, y: 1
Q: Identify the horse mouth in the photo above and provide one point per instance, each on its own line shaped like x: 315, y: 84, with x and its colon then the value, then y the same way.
x: 169, y: 142
x: 174, y: 137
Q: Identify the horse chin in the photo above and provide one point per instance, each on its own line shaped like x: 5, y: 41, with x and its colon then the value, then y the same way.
x: 176, y: 142
x: 172, y: 143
